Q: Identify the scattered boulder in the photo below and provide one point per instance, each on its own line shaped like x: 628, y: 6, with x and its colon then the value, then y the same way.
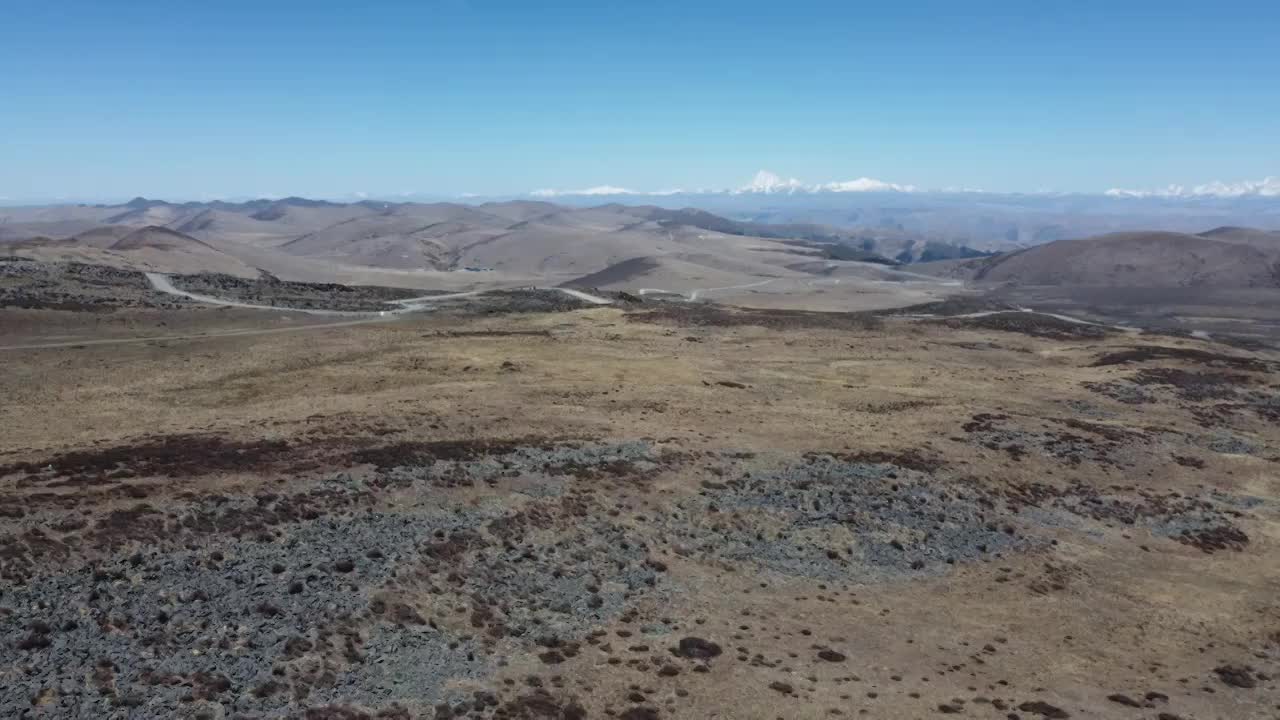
x: 1121, y: 699
x: 697, y: 648
x: 1044, y: 709
x: 1236, y: 676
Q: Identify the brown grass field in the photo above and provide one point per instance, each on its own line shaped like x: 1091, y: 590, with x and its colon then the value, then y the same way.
x: 641, y: 513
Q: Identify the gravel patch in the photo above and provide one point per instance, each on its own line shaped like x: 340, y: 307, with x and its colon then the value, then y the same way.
x: 830, y: 519
x: 76, y: 287
x: 266, y: 605
x: 225, y: 624
x: 269, y: 290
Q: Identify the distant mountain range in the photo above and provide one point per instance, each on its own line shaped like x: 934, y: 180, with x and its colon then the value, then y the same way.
x: 766, y: 182
x: 893, y: 219
x: 990, y: 222
x: 795, y: 243
x: 1265, y: 188
x: 439, y: 235
x: 490, y: 244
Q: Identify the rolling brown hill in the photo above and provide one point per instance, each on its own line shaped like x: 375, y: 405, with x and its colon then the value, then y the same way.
x: 411, y: 236
x: 1267, y: 240
x: 150, y: 248
x: 156, y: 237
x: 103, y: 236
x: 666, y: 273
x: 1223, y: 258
x: 456, y: 245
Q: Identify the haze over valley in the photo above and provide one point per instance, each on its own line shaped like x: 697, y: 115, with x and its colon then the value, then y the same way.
x: 885, y: 249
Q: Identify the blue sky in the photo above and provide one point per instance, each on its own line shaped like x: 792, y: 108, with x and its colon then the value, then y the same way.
x: 187, y: 100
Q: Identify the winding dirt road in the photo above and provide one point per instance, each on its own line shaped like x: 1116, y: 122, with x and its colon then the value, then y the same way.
x: 586, y: 297
x: 693, y: 294
x: 161, y: 282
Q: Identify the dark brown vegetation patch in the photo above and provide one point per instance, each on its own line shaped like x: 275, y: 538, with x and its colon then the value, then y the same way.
x: 960, y: 305
x: 21, y: 553
x: 1236, y: 676
x: 707, y: 315
x: 541, y: 704
x: 1190, y: 520
x: 1033, y: 324
x: 141, y: 523
x: 1263, y: 405
x: 51, y: 300
x: 1124, y: 392
x: 1145, y: 353
x: 174, y: 456
x: 909, y: 459
x: 489, y: 333
x: 1188, y: 461
x: 1191, y: 385
x: 1083, y: 441
x: 262, y: 519
x: 1109, y: 432
x: 1209, y: 540
x: 410, y: 454
x: 1044, y: 709
x: 520, y: 301
x: 696, y: 648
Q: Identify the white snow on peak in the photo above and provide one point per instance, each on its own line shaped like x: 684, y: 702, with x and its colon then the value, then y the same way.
x: 764, y: 182
x: 866, y: 184
x: 1266, y: 187
x: 597, y: 190
x: 767, y: 182
x: 606, y: 190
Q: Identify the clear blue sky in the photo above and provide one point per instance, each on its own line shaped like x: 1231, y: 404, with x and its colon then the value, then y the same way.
x: 183, y: 99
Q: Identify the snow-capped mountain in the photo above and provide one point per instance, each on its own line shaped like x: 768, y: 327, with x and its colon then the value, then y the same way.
x: 597, y: 190
x: 770, y: 183
x: 865, y: 185
x: 764, y: 182
x: 767, y: 182
x: 1266, y: 187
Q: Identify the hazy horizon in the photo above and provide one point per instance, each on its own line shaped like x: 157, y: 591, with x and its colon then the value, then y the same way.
x: 772, y: 188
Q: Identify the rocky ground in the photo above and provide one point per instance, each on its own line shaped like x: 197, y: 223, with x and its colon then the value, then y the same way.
x: 497, y: 302
x: 80, y: 288
x: 269, y: 290
x: 657, y: 511
x: 76, y: 287
x: 1248, y: 317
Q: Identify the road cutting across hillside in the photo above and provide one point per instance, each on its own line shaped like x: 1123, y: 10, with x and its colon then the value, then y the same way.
x: 161, y: 283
